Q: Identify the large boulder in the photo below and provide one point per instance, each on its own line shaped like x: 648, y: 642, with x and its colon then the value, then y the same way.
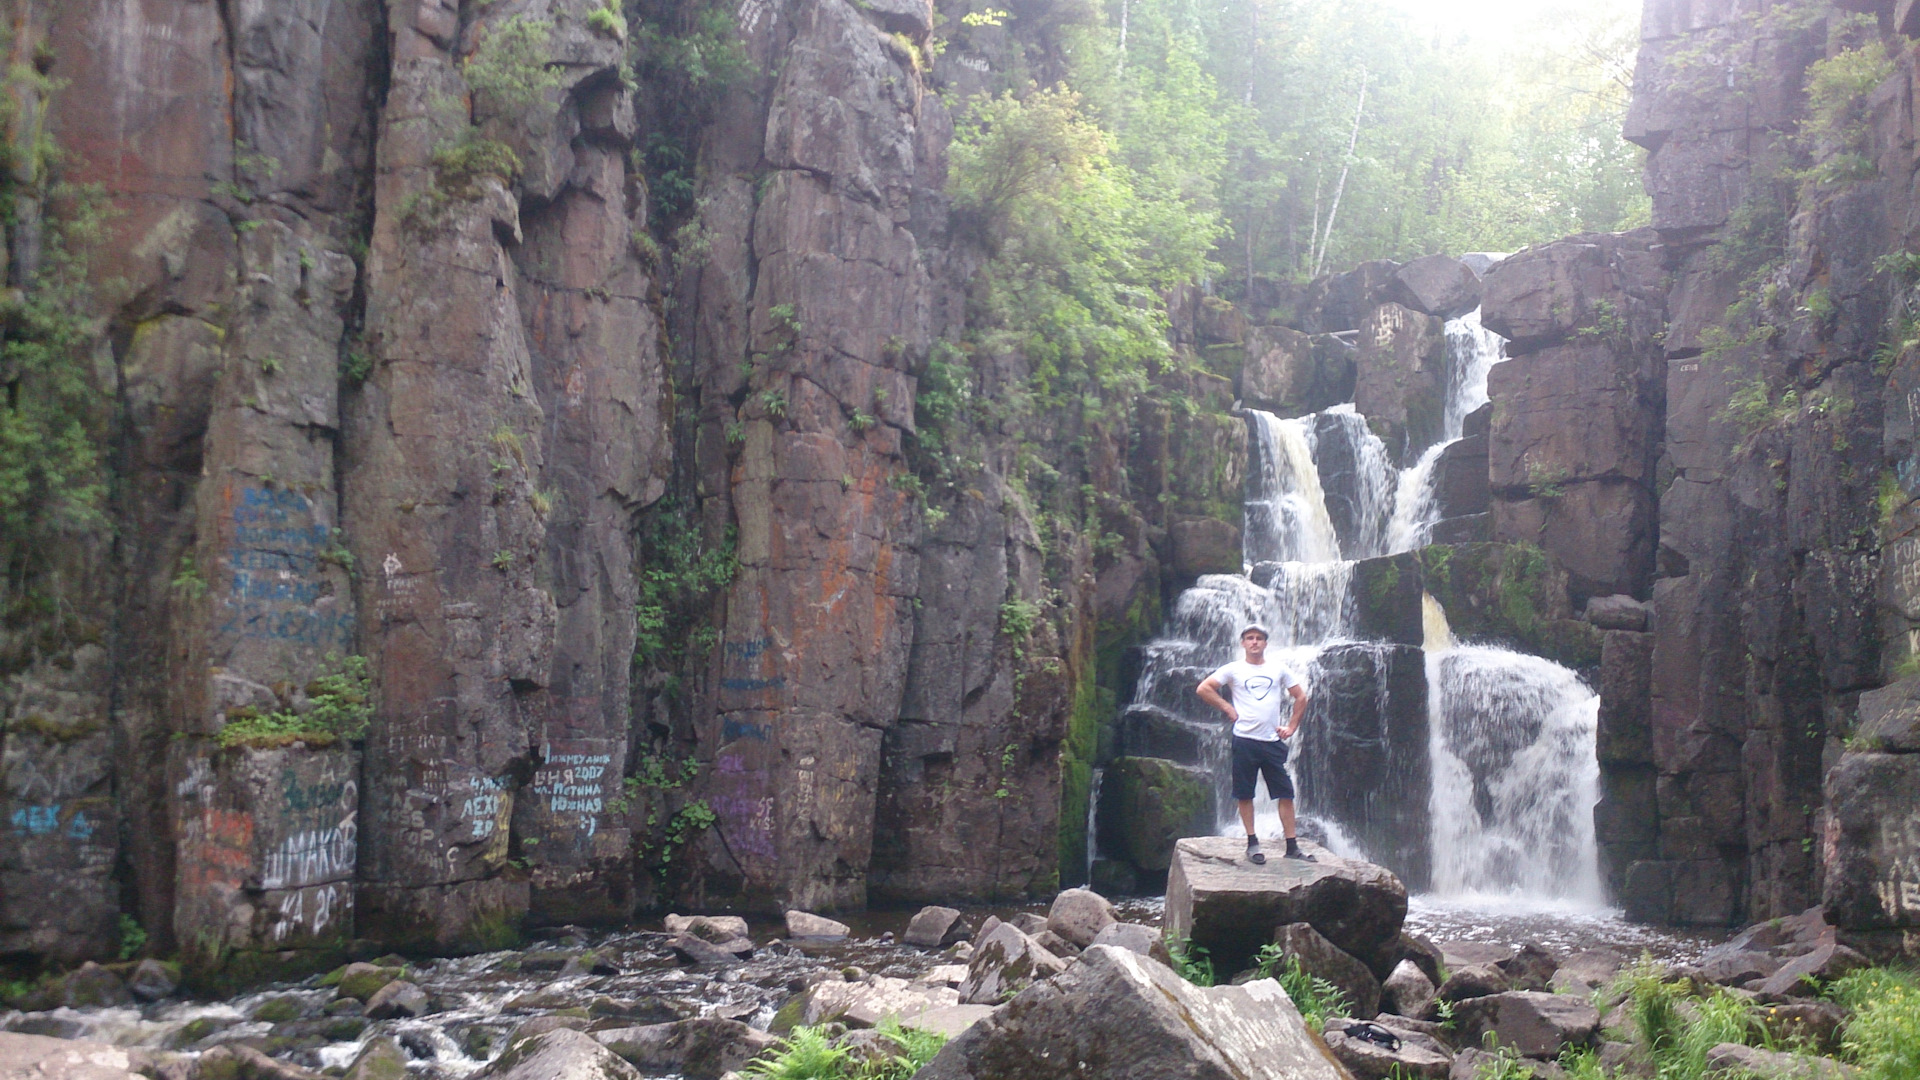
x: 1079, y: 915
x: 1890, y: 718
x: 1221, y: 902
x: 1407, y: 991
x: 936, y: 928
x: 805, y: 924
x: 1120, y: 1016
x: 1608, y: 285
x: 397, y: 999
x: 1418, y: 1056
x: 1004, y: 963
x: 1801, y: 975
x: 700, y: 1049
x: 867, y: 1002
x: 1535, y: 1024
x: 1437, y: 285
x: 1324, y: 960
x: 715, y: 928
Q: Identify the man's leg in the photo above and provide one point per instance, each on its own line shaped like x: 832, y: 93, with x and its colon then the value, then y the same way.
x: 1246, y: 814
x: 1286, y: 817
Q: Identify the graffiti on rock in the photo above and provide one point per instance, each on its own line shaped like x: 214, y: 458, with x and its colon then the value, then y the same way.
x: 275, y: 590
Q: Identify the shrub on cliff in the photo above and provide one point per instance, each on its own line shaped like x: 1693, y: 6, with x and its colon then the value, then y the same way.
x: 339, y: 706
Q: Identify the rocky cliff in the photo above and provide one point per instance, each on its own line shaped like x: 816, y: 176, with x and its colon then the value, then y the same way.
x: 617, y: 408
x: 580, y: 396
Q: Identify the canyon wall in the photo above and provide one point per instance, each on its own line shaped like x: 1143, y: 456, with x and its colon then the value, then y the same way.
x: 607, y: 414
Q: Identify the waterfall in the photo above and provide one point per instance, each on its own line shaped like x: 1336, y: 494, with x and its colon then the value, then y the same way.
x: 1515, y: 778
x: 1286, y: 510
x: 1484, y: 785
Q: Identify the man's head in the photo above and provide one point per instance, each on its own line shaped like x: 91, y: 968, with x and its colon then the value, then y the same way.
x: 1254, y: 640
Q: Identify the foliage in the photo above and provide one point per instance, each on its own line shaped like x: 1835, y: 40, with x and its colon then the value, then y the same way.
x: 1837, y: 127
x: 1678, y: 1026
x: 340, y: 706
x: 1883, y: 1036
x: 1317, y: 999
x: 509, y: 69
x: 806, y: 1054
x: 54, y: 414
x: 1190, y: 961
x: 608, y: 20
x: 133, y: 937
x: 459, y: 164
x: 678, y: 569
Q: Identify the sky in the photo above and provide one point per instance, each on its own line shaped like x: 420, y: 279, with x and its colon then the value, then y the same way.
x: 1493, y: 20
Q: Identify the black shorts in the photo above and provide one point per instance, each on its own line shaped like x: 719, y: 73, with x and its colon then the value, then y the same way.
x: 1252, y: 758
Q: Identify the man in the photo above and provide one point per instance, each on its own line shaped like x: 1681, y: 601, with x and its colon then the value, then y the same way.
x: 1258, y: 688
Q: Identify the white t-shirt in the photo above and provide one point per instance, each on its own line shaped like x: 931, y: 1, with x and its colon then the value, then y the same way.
x: 1259, y: 694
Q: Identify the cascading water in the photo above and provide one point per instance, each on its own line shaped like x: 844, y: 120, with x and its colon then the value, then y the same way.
x: 1493, y: 782
x: 1514, y: 776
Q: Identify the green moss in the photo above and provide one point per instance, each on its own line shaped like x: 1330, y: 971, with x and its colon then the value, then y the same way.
x: 789, y: 1015
x: 496, y: 930
x: 278, y: 1010
x: 364, y: 984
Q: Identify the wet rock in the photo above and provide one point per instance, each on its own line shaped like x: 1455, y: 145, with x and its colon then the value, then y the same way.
x: 539, y: 960
x: 92, y: 984
x: 380, y: 1059
x: 1344, y: 300
x: 562, y: 1055
x: 1004, y: 964
x: 1800, y: 975
x: 1618, y: 613
x: 235, y: 1061
x: 1407, y: 991
x: 152, y: 979
x: 1418, y: 1055
x: 1547, y: 294
x: 936, y: 928
x: 803, y: 924
x: 1438, y: 285
x: 1401, y: 380
x: 701, y: 1048
x: 1289, y: 373
x: 865, y: 1004
x: 1147, y: 804
x: 714, y: 928
x: 1535, y: 1024
x: 693, y: 950
x: 1204, y: 545
x: 361, y: 980
x: 540, y: 1025
x: 642, y: 1010
x: 1531, y: 967
x: 1117, y: 1014
x: 1231, y: 907
x: 396, y: 1000
x: 1473, y: 981
x: 951, y: 975
x: 1753, y: 1063
x: 1322, y: 959
x: 278, y: 1010
x: 1460, y: 483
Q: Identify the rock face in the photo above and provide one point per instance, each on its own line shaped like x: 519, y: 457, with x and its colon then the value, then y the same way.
x: 1121, y: 1015
x: 1218, y: 900
x: 1534, y: 1024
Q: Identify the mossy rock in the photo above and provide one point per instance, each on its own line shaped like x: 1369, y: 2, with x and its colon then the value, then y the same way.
x: 1148, y: 804
x: 382, y: 1059
x: 789, y: 1015
x: 1507, y: 594
x: 1387, y: 601
x: 362, y: 981
x: 279, y: 1010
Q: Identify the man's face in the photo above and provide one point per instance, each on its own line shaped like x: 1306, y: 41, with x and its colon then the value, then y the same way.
x: 1255, y: 643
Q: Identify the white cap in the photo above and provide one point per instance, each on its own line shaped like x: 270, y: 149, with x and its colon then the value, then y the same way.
x: 1256, y: 628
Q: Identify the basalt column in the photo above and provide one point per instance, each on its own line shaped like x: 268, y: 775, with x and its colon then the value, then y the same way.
x: 810, y: 304
x: 478, y: 376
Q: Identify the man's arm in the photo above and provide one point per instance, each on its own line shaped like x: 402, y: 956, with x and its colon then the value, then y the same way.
x: 1210, y: 693
x: 1299, y: 710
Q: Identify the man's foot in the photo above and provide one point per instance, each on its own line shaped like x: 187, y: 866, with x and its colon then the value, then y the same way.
x: 1294, y: 852
x: 1254, y: 854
